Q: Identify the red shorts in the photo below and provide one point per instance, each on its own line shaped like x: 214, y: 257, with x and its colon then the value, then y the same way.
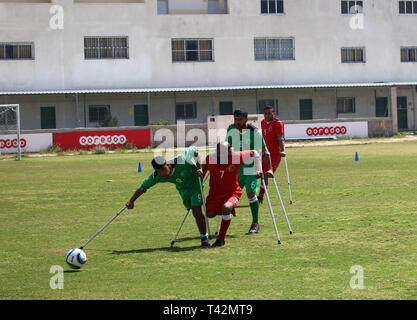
x: 215, y: 203
x: 274, y: 162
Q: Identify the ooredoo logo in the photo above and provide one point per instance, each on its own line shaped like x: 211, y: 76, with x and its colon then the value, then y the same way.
x: 320, y: 131
x: 102, y: 140
x: 12, y: 143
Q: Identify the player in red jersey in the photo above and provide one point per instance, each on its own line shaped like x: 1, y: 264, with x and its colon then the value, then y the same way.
x: 224, y: 191
x: 273, y: 133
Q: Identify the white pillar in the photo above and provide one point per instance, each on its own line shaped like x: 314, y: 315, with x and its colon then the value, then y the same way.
x: 394, y: 114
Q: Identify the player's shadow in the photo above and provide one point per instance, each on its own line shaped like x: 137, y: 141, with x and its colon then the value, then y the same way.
x: 148, y: 250
x: 169, y: 248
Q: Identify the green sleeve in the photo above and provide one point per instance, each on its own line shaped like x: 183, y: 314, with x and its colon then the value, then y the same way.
x: 259, y: 137
x: 228, y: 135
x: 150, y: 181
x: 189, y: 155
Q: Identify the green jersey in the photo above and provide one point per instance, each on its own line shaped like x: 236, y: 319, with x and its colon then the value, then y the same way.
x: 183, y: 173
x: 249, y: 139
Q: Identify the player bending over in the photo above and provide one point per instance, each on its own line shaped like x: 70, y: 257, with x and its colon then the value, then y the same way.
x: 181, y: 171
x: 225, y: 191
x: 243, y: 136
x: 273, y: 133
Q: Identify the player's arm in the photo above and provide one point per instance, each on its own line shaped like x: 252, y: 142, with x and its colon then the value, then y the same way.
x: 266, y: 156
x: 281, y: 143
x: 257, y: 163
x: 130, y: 204
x: 197, y: 159
x: 280, y: 138
x: 147, y: 183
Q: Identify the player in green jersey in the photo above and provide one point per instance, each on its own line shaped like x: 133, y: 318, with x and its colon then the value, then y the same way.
x: 243, y: 136
x: 181, y: 171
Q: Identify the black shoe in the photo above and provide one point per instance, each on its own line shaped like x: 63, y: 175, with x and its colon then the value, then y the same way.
x: 218, y: 243
x: 254, y: 228
x: 260, y: 200
x: 205, y: 243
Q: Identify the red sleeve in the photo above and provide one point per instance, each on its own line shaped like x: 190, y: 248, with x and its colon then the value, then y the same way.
x: 246, y: 156
x: 279, y: 128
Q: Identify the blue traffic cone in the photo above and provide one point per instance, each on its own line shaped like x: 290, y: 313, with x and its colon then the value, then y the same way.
x: 140, y: 167
x: 356, y: 157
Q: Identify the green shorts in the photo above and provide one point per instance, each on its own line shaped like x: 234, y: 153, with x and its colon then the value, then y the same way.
x: 192, y: 197
x: 247, y: 181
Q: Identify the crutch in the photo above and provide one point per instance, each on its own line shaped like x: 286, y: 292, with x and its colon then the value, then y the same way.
x: 205, y: 209
x: 179, y: 229
x: 270, y: 207
x: 288, y: 176
x: 218, y: 217
x: 105, y: 225
x: 282, y: 205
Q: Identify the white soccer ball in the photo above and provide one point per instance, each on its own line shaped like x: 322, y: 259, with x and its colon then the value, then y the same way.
x: 76, y: 258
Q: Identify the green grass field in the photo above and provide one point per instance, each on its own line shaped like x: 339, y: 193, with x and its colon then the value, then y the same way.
x: 345, y: 213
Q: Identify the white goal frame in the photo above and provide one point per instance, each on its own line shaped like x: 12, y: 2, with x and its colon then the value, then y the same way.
x: 16, y: 108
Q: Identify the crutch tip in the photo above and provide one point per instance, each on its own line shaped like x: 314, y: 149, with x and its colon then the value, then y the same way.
x: 290, y: 202
x: 279, y: 241
x: 172, y: 243
x: 291, y: 232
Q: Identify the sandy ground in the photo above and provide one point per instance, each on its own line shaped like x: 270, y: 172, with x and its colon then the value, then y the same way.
x: 289, y: 144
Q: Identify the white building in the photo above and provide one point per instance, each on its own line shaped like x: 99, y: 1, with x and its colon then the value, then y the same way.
x: 67, y: 62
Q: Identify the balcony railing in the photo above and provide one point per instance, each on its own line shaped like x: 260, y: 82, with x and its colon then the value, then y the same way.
x: 192, y: 7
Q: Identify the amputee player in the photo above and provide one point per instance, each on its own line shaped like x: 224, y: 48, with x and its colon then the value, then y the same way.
x: 243, y: 136
x: 273, y: 133
x: 225, y: 191
x: 181, y: 171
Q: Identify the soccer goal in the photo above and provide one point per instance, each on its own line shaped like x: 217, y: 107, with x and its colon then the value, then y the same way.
x: 10, y: 124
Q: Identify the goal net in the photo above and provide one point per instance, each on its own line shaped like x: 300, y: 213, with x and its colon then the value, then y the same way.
x: 10, y: 141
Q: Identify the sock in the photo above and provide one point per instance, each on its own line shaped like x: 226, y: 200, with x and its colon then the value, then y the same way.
x: 204, y: 236
x: 254, y: 207
x: 224, y: 226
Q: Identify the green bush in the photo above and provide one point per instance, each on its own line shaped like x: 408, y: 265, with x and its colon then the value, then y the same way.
x: 160, y: 123
x: 99, y: 150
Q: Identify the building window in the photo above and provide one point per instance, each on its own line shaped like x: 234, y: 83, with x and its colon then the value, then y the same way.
x: 267, y: 102
x: 97, y: 113
x: 352, y: 7
x: 409, y: 54
x: 353, y: 54
x: 186, y: 110
x: 306, y: 109
x: 16, y: 51
x: 272, y: 6
x: 106, y: 48
x: 345, y: 105
x: 407, y: 7
x: 274, y: 49
x: 192, y: 50
x: 162, y: 7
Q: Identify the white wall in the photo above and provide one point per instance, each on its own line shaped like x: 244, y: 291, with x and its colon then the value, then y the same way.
x: 318, y: 27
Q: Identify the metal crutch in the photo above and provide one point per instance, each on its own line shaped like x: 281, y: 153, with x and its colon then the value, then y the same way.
x: 282, y: 205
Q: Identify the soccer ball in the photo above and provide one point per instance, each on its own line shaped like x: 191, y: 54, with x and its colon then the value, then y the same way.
x: 76, y: 258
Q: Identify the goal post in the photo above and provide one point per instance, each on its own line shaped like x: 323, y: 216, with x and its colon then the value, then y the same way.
x: 10, y: 124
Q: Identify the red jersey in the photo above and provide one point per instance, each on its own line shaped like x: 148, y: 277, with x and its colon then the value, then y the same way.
x: 223, y: 177
x: 270, y: 132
